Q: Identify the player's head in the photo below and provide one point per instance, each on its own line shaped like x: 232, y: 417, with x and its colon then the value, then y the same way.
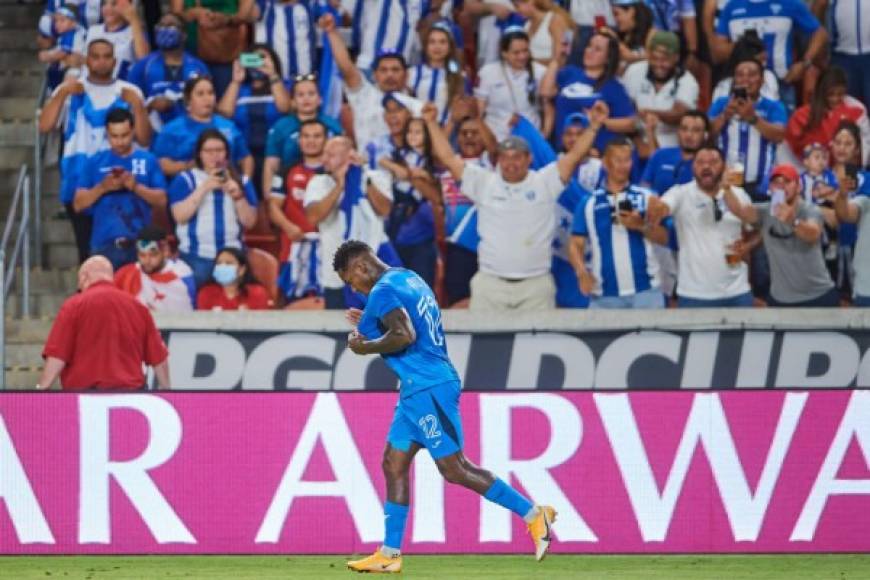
x: 357, y: 265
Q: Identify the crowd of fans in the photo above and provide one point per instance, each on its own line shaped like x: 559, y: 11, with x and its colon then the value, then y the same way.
x: 520, y: 154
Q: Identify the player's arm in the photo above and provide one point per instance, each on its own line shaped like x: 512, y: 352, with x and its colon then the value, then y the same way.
x: 399, y: 335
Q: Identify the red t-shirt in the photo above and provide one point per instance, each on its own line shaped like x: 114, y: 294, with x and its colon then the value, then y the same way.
x: 798, y: 136
x: 295, y: 183
x: 104, y: 335
x: 212, y: 297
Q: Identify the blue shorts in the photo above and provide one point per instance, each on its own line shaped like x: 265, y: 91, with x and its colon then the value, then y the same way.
x: 431, y: 419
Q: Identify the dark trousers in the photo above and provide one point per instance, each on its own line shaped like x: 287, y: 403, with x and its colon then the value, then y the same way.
x: 152, y: 16
x: 830, y: 299
x: 858, y: 74
x: 421, y: 259
x: 460, y: 266
x: 333, y: 298
x: 117, y: 256
x: 82, y: 226
x: 221, y: 75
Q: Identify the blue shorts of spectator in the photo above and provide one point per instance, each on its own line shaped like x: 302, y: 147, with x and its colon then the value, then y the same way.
x: 739, y: 301
x: 652, y: 298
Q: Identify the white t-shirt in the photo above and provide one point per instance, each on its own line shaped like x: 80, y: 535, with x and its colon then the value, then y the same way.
x: 366, y: 102
x: 541, y: 43
x: 122, y: 40
x: 516, y: 221
x: 644, y: 95
x: 584, y: 12
x: 366, y: 224
x: 704, y: 273
x: 488, y: 35
x: 506, y: 92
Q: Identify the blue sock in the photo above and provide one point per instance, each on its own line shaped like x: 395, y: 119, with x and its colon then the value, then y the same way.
x: 507, y: 497
x: 395, y: 516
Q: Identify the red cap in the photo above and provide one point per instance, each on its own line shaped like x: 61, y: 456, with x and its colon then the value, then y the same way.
x: 785, y: 170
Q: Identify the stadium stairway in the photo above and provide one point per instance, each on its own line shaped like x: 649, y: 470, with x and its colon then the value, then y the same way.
x: 20, y: 80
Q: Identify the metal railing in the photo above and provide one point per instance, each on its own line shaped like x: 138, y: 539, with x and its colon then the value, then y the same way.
x: 39, y: 142
x: 19, y: 257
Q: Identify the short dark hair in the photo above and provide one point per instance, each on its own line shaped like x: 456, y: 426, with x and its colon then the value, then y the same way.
x: 151, y: 233
x: 311, y: 122
x: 100, y: 41
x: 388, y: 54
x: 347, y: 252
x: 618, y: 141
x: 119, y: 115
x: 698, y: 114
x: 710, y: 146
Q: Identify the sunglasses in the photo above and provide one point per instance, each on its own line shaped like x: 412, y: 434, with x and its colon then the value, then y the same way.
x: 305, y: 77
x: 717, y: 212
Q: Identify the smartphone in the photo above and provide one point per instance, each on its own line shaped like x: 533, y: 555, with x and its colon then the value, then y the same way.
x: 777, y: 198
x: 117, y: 171
x: 251, y: 60
x: 625, y: 205
x: 851, y: 171
x: 752, y: 33
x: 221, y: 174
x: 740, y: 93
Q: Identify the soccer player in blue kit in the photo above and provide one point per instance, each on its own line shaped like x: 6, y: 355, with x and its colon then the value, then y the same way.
x: 402, y: 323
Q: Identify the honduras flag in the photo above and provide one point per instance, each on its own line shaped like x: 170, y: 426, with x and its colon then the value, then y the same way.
x: 568, y: 293
x: 329, y: 78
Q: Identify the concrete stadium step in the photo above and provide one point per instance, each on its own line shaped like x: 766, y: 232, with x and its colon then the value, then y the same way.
x: 28, y: 355
x: 18, y: 108
x: 17, y: 131
x: 21, y: 83
x: 50, y: 182
x: 22, y: 378
x: 41, y: 305
x: 61, y: 256
x: 18, y: 38
x: 50, y: 281
x: 20, y: 60
x: 23, y: 16
x: 33, y: 330
x: 13, y: 157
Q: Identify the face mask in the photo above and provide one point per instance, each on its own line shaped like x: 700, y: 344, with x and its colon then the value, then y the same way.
x: 225, y: 274
x: 167, y: 37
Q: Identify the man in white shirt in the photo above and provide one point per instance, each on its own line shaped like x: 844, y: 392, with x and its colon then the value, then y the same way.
x: 516, y: 216
x: 347, y: 202
x: 712, y: 273
x: 659, y: 87
x: 365, y: 99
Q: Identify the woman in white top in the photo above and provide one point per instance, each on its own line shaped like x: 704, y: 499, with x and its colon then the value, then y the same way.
x: 512, y: 87
x: 438, y: 79
x: 548, y: 27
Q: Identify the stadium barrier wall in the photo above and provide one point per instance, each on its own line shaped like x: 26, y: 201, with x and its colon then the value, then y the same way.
x: 562, y: 350
x: 276, y: 473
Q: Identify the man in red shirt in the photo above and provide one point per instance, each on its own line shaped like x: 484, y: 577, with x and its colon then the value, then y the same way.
x: 102, y: 336
x: 298, y: 276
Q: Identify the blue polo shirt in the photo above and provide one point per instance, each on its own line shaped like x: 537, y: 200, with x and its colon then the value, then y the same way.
x: 577, y: 93
x: 667, y: 168
x: 122, y: 213
x: 177, y: 141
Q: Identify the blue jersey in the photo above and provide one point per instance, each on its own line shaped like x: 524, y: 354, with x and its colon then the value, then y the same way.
x: 740, y: 141
x: 255, y: 115
x: 283, y: 138
x: 178, y: 139
x: 577, y: 92
x: 120, y: 214
x: 289, y: 30
x: 424, y: 363
x: 155, y: 79
x: 667, y: 168
x: 774, y: 21
x: 622, y: 260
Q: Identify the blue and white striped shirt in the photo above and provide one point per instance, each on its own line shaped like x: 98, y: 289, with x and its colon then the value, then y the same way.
x: 847, y: 22
x: 623, y: 263
x: 430, y: 85
x: 288, y: 28
x: 742, y: 142
x: 215, y: 224
x: 380, y: 25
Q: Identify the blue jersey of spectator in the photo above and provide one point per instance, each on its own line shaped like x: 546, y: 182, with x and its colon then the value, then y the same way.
x: 282, y: 141
x: 255, y: 115
x: 775, y: 21
x: 287, y: 27
x: 157, y: 79
x: 666, y: 168
x: 741, y: 141
x: 178, y: 138
x: 119, y: 215
x: 577, y: 92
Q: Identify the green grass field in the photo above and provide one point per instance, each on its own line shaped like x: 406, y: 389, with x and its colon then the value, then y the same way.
x: 816, y: 567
